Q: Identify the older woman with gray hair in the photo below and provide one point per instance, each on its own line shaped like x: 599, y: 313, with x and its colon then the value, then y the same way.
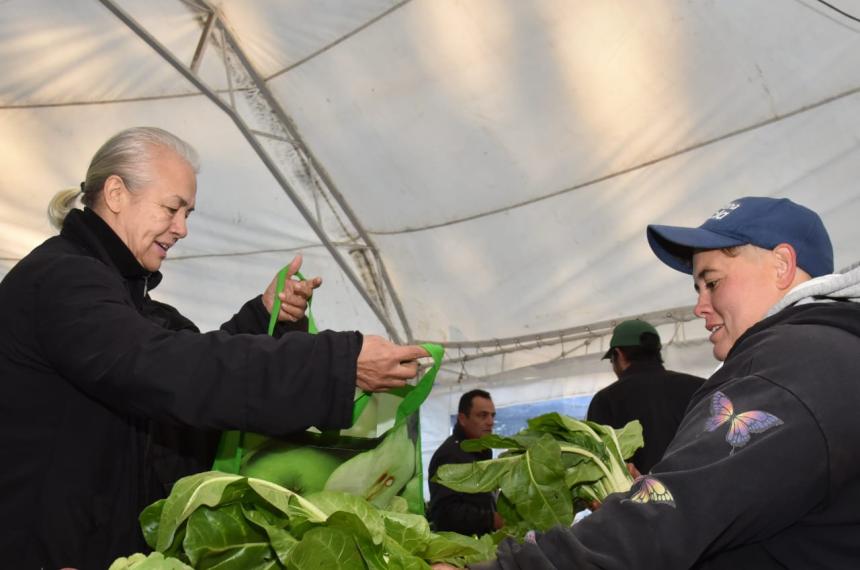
x: 111, y: 396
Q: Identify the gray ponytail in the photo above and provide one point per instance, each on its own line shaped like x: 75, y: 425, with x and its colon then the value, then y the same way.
x: 60, y: 205
x: 128, y: 154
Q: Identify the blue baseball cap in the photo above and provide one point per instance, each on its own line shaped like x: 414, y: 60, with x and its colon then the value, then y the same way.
x: 763, y: 222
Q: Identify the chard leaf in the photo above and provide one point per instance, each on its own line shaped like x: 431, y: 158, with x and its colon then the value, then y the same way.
x: 281, y: 540
x: 630, y: 438
x: 222, y: 538
x: 400, y: 558
x: 491, y: 441
x: 478, y: 477
x: 459, y: 550
x: 149, y: 519
x: 286, y: 501
x: 571, y: 430
x: 398, y: 504
x: 410, y: 531
x: 584, y: 472
x: 210, y: 488
x: 324, y: 548
x: 554, y: 422
x: 507, y: 510
x: 607, y: 435
x: 592, y: 444
x: 536, y: 486
x: 589, y: 493
x: 367, y: 516
x: 155, y: 561
x: 371, y: 552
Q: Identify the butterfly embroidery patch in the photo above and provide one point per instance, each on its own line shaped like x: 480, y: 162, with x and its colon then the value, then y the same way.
x: 649, y: 489
x: 740, y: 425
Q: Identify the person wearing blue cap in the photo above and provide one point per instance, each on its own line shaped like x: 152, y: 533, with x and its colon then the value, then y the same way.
x: 764, y: 470
x: 645, y: 391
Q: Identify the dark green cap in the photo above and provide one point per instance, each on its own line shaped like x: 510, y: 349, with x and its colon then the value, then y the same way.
x: 629, y: 333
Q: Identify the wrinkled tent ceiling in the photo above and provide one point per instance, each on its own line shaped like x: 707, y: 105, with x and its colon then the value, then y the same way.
x: 473, y: 172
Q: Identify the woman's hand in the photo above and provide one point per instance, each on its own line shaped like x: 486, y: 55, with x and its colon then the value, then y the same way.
x: 383, y: 365
x: 294, y: 297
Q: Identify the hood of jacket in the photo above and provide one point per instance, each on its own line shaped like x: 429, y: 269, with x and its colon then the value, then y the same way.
x: 834, y: 287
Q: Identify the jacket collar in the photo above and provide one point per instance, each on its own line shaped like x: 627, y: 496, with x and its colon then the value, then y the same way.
x: 88, y: 229
x: 641, y: 367
x: 458, y: 433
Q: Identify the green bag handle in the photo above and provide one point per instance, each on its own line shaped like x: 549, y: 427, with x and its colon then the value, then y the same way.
x: 231, y: 447
x: 228, y: 458
x: 276, y: 307
x: 413, y: 396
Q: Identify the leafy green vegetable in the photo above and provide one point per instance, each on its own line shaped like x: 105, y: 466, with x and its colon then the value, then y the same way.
x: 555, y: 460
x: 216, y: 537
x: 459, y: 550
x: 324, y: 547
x: 155, y: 561
x: 188, y: 495
x: 229, y: 522
x: 399, y: 558
x: 412, y: 532
x: 333, y: 503
x: 536, y: 485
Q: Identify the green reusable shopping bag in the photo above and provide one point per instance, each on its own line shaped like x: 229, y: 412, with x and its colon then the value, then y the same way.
x: 378, y: 458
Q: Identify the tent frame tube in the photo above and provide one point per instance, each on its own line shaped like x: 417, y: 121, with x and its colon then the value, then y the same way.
x: 261, y: 152
x: 289, y: 125
x: 548, y: 338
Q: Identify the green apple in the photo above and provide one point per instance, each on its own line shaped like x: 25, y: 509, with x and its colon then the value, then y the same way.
x: 379, y: 474
x: 300, y: 469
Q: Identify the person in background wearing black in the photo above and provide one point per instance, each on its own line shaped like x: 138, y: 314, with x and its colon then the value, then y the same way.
x: 466, y: 513
x: 110, y: 396
x: 645, y: 391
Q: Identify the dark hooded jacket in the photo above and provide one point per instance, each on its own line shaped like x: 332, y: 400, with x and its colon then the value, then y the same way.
x: 110, y: 396
x: 652, y: 395
x: 764, y: 471
x: 466, y: 513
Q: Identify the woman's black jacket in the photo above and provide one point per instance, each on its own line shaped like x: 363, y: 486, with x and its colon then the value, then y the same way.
x: 109, y: 396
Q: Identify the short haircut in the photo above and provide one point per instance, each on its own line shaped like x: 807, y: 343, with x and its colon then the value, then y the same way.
x: 466, y: 400
x: 648, y: 351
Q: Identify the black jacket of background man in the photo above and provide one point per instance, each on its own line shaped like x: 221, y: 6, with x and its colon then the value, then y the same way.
x: 466, y: 513
x: 647, y: 392
x: 109, y: 396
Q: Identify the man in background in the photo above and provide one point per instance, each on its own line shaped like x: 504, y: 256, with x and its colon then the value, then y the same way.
x: 645, y: 391
x: 466, y: 513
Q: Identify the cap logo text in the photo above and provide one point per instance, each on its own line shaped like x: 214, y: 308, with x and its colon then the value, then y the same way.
x: 723, y: 212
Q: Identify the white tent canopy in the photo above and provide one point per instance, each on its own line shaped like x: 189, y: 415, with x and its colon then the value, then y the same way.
x: 478, y: 173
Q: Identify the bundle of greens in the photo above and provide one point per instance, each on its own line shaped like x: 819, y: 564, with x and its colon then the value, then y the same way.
x: 548, y: 471
x: 216, y: 520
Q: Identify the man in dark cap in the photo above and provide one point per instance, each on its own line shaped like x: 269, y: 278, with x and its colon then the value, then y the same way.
x: 645, y: 391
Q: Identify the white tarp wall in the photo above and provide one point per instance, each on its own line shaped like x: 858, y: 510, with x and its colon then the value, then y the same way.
x: 464, y: 170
